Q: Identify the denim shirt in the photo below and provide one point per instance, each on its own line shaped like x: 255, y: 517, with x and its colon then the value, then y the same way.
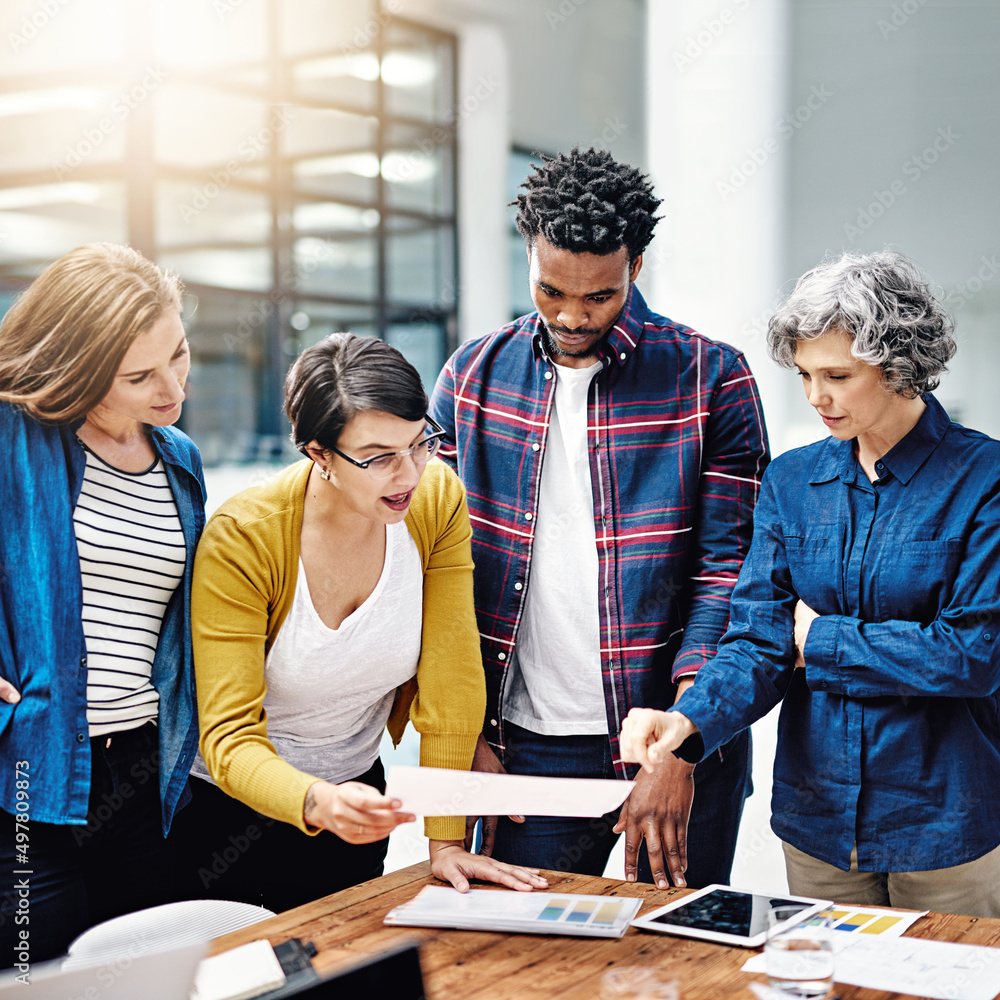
x: 43, y: 652
x: 890, y: 736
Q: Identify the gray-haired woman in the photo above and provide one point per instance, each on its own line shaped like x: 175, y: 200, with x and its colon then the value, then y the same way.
x: 869, y: 603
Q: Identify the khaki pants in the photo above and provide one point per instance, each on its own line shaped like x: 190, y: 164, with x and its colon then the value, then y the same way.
x: 972, y: 888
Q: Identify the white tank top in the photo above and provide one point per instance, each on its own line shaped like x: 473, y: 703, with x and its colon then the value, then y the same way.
x: 330, y: 691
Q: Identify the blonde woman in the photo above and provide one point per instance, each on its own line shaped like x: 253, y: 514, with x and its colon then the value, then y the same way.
x: 102, y: 504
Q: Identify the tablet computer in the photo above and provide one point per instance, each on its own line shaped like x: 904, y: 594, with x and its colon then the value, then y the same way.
x: 725, y: 914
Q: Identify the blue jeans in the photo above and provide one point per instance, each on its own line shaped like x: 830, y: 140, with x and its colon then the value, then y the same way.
x: 561, y: 843
x: 82, y: 875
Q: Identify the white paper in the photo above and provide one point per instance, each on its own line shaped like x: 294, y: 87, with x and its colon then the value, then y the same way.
x: 437, y: 791
x: 941, y: 970
x: 241, y: 972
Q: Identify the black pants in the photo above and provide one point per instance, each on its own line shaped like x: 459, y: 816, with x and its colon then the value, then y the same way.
x: 223, y: 849
x: 81, y: 875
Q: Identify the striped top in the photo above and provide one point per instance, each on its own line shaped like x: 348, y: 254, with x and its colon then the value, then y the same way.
x: 132, y: 558
x: 677, y: 447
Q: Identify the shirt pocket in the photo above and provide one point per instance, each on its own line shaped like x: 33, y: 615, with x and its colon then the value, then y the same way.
x: 917, y: 578
x: 815, y: 565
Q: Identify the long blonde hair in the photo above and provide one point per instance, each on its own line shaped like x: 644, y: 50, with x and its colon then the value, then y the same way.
x: 62, y: 341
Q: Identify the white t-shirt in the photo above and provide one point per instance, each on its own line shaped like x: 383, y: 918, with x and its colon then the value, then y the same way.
x: 330, y: 691
x: 554, y: 686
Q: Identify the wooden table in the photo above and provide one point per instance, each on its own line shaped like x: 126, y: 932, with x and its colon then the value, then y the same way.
x: 467, y: 965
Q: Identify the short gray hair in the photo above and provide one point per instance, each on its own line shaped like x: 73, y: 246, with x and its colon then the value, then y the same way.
x: 884, y: 304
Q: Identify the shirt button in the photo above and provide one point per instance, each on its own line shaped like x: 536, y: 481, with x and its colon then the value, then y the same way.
x: 622, y: 355
x: 518, y: 586
x: 824, y: 685
x: 493, y: 722
x: 988, y: 636
x: 535, y: 446
x: 879, y: 465
x: 80, y: 737
x: 527, y: 516
x: 548, y: 375
x: 501, y: 656
x: 83, y: 661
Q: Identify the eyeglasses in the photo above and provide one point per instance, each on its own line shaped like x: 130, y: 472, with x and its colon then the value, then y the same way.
x: 385, y: 466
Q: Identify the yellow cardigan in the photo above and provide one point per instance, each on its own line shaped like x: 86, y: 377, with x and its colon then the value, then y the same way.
x: 244, y: 582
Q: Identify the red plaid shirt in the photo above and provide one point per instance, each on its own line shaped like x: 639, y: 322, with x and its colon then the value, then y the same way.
x: 677, y: 448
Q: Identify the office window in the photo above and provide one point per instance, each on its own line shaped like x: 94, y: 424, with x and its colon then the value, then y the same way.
x: 293, y: 161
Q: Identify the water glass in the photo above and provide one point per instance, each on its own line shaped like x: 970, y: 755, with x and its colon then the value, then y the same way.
x: 799, y: 957
x: 638, y: 982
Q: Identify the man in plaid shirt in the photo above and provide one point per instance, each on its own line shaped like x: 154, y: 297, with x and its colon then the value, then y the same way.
x: 612, y: 458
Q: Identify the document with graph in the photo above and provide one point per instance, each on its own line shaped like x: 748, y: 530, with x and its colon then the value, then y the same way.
x: 518, y: 912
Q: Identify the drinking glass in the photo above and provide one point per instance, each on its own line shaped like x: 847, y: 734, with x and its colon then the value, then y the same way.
x: 799, y: 957
x: 638, y: 982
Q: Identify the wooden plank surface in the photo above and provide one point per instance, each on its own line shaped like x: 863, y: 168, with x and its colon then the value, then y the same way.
x: 469, y: 965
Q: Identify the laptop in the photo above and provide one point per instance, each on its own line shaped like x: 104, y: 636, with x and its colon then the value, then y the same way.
x: 393, y: 973
x: 164, y: 975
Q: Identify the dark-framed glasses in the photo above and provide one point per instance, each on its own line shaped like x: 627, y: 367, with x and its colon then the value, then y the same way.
x: 385, y: 466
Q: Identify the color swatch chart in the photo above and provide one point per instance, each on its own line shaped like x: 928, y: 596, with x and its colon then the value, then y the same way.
x: 597, y: 912
x: 873, y: 920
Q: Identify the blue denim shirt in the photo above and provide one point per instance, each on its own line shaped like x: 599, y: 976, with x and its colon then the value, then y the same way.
x: 42, y: 646
x: 890, y: 737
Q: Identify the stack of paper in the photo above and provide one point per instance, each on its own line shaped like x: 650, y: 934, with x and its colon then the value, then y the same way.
x: 519, y: 912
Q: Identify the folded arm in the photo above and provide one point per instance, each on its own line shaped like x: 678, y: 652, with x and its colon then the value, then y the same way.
x: 957, y: 655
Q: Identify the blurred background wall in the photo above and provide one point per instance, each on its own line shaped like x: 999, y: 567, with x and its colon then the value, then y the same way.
x: 316, y: 165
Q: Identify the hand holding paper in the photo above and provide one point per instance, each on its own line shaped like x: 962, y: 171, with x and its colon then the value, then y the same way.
x: 436, y: 791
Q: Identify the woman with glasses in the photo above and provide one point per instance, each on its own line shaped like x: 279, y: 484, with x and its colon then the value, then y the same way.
x: 329, y: 604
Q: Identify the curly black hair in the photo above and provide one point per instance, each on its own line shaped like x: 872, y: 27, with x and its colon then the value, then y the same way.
x: 588, y: 203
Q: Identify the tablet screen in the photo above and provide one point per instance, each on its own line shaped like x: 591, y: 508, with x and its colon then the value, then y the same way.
x: 726, y: 911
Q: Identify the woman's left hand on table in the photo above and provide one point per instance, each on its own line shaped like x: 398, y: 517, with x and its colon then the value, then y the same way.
x: 451, y: 862
x: 804, y: 616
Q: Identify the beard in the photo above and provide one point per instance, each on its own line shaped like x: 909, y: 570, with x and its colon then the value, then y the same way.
x: 589, y: 350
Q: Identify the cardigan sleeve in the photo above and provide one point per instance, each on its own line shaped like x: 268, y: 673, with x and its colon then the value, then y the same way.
x: 233, y: 593
x: 450, y: 702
